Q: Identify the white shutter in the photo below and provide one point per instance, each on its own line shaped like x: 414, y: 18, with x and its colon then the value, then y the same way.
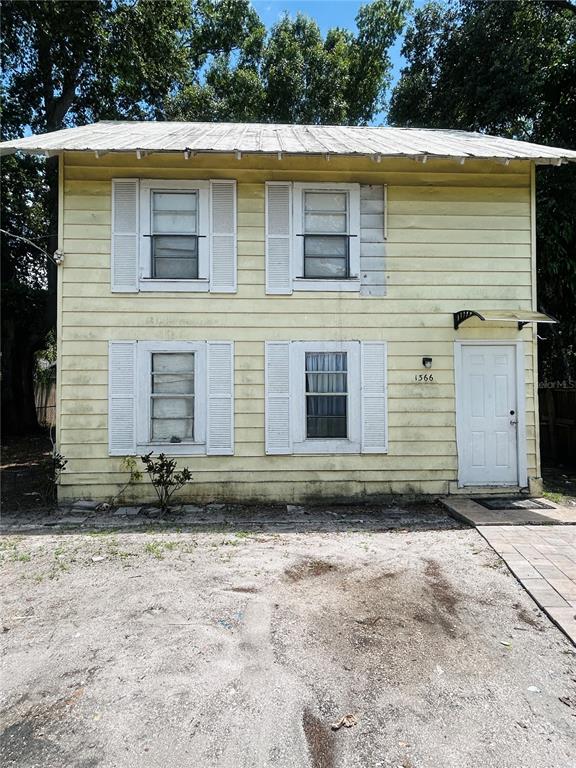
x: 122, y: 398
x: 278, y: 237
x: 278, y: 439
x: 220, y: 419
x: 374, y: 396
x: 125, y: 236
x: 372, y: 239
x: 223, y: 237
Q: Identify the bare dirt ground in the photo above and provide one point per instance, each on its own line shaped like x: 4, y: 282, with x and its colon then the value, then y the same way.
x: 237, y: 649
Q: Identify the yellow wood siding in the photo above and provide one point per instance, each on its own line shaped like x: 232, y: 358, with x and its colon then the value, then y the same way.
x: 458, y: 237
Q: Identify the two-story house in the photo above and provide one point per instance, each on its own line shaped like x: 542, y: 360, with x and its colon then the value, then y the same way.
x: 296, y: 312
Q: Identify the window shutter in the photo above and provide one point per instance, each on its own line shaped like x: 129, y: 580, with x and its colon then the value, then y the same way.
x: 125, y: 236
x: 121, y: 398
x: 220, y: 419
x: 374, y: 396
x: 372, y: 239
x: 223, y: 237
x: 278, y: 439
x: 278, y: 238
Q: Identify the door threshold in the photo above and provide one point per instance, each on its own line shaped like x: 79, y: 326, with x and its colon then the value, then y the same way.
x: 487, y: 490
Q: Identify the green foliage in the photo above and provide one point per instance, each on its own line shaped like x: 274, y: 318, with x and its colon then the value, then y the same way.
x: 164, y: 477
x: 292, y: 74
x: 508, y: 68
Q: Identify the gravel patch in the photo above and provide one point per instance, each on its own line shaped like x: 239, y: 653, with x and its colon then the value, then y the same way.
x: 239, y: 648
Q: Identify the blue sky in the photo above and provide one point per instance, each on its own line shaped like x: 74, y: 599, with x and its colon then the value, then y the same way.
x: 328, y: 13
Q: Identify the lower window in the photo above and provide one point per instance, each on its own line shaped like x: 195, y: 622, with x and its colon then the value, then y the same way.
x: 326, y: 385
x: 172, y: 397
x: 171, y: 405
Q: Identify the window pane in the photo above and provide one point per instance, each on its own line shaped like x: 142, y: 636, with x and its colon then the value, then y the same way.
x: 326, y: 409
x: 325, y: 201
x: 316, y: 245
x: 326, y: 416
x: 173, y: 418
x: 174, y: 212
x: 175, y: 257
x: 173, y: 431
x: 325, y: 222
x: 325, y: 267
x: 327, y: 361
x: 173, y: 362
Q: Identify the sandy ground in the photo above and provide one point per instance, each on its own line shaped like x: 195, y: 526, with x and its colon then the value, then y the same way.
x: 236, y: 649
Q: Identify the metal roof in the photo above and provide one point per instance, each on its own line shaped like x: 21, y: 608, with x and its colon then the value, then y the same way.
x: 270, y: 138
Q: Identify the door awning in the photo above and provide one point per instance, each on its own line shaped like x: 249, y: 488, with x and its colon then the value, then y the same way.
x: 519, y: 316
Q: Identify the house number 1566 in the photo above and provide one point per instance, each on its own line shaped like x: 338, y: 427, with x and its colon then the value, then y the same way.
x: 423, y: 377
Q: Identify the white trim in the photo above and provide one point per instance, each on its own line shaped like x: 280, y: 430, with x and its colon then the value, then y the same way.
x: 300, y: 443
x: 144, y: 351
x: 146, y: 282
x: 521, y: 446
x: 352, y: 285
x: 299, y: 282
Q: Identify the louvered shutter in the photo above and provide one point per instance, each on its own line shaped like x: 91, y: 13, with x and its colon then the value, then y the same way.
x: 223, y: 237
x: 125, y: 236
x: 278, y: 238
x: 220, y: 418
x: 374, y: 395
x: 122, y: 398
x: 278, y: 438
x: 372, y: 239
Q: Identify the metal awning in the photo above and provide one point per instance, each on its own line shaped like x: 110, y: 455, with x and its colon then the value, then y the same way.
x: 519, y: 316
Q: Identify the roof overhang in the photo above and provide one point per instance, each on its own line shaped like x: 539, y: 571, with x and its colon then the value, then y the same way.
x: 240, y: 139
x: 519, y: 316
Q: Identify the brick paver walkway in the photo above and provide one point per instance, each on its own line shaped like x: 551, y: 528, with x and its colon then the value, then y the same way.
x: 543, y: 559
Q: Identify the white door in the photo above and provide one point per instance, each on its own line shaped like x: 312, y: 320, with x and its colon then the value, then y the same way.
x: 487, y: 415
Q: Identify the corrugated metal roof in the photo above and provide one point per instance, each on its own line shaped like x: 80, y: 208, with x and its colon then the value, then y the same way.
x: 269, y: 138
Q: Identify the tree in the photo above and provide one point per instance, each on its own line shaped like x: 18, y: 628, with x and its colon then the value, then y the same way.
x: 72, y: 62
x: 508, y: 69
x: 66, y: 63
x: 293, y: 74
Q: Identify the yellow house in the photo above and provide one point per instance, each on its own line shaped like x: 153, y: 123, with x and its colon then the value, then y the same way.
x: 296, y: 312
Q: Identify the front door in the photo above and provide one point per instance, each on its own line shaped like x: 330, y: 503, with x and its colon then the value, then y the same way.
x: 487, y: 415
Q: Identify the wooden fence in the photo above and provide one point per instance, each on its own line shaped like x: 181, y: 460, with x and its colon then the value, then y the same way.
x: 558, y: 425
x: 45, y: 397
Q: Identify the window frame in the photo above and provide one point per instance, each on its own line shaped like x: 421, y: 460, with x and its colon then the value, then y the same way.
x: 145, y: 350
x: 300, y: 442
x: 146, y: 281
x: 301, y: 283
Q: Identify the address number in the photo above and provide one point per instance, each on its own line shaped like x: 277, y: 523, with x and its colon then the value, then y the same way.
x: 423, y: 377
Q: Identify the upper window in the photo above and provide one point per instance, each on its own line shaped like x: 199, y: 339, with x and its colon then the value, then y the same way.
x: 174, y: 235
x: 326, y: 252
x: 327, y: 234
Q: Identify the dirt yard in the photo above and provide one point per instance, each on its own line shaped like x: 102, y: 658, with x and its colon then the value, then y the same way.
x: 236, y: 649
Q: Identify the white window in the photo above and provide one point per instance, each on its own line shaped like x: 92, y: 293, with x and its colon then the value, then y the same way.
x: 171, y: 408
x: 174, y: 235
x: 175, y: 397
x: 326, y: 386
x: 326, y: 397
x: 326, y: 237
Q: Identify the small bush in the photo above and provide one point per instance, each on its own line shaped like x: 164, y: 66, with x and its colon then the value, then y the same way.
x: 164, y: 477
